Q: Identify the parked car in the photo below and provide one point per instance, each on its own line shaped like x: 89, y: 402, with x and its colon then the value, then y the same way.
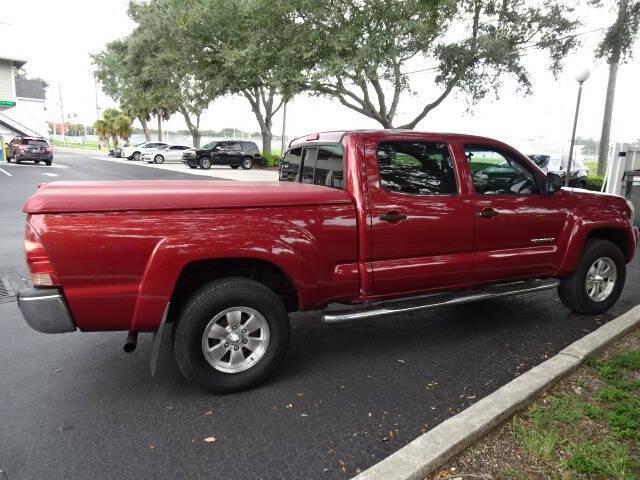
x: 30, y: 149
x: 233, y: 153
x: 168, y: 153
x: 134, y: 152
x: 579, y: 172
x: 384, y: 221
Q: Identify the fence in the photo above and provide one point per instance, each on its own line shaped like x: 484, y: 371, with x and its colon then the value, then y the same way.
x: 623, y: 157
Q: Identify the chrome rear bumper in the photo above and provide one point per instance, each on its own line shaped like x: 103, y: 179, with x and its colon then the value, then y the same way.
x: 45, y: 310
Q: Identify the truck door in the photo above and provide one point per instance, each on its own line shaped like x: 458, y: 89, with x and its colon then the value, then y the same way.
x: 517, y: 226
x: 421, y: 225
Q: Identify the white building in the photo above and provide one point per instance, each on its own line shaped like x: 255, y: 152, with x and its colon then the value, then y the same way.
x: 22, y: 102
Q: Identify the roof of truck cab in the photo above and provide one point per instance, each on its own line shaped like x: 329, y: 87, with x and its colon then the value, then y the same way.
x: 337, y: 136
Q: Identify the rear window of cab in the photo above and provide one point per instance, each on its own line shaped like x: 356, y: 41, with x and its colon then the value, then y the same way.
x: 315, y: 164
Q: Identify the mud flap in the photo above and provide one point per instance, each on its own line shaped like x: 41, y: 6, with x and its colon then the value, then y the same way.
x: 157, y: 342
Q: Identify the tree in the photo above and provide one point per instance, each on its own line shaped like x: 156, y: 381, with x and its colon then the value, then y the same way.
x: 366, y: 49
x: 113, y: 125
x: 170, y: 63
x: 251, y: 49
x: 121, y: 78
x: 615, y: 47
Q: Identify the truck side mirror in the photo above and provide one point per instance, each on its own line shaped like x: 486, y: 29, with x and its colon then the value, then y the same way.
x: 554, y: 183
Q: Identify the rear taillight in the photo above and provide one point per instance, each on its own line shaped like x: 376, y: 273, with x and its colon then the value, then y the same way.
x: 49, y: 148
x: 42, y: 273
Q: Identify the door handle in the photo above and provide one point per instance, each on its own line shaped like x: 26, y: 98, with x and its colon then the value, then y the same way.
x: 393, y: 217
x: 488, y: 213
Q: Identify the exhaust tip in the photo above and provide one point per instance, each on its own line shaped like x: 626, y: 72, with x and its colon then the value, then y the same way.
x: 131, y: 342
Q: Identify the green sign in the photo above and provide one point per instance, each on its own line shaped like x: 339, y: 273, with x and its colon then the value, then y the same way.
x: 9, y: 103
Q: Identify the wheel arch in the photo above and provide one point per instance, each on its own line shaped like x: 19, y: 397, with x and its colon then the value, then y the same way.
x: 198, y: 272
x: 617, y: 234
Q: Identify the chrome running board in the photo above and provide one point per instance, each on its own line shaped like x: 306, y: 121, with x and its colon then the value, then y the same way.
x: 438, y: 300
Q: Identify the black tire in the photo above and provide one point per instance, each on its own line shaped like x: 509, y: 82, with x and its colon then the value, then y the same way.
x: 36, y: 162
x: 8, y: 158
x: 205, y: 163
x: 49, y: 162
x: 193, y: 166
x: 158, y: 159
x: 247, y: 163
x: 582, y: 184
x: 573, y: 291
x: 235, y: 167
x: 205, y: 304
x: 136, y: 156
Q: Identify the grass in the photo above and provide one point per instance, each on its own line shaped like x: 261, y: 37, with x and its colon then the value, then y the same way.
x: 83, y: 146
x: 588, y: 427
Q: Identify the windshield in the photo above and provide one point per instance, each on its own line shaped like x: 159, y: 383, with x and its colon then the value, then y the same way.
x: 141, y: 144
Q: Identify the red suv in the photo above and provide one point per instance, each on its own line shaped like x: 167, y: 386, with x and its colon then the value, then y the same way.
x: 32, y: 149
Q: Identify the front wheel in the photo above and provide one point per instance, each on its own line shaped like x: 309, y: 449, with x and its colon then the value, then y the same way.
x: 598, y: 281
x: 205, y: 163
x: 232, y: 335
x: 159, y: 159
x: 136, y: 156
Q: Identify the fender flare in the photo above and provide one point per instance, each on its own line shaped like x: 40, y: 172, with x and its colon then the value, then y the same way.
x: 171, y: 255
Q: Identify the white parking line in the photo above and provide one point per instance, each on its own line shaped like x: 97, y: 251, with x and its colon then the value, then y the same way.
x: 5, y: 172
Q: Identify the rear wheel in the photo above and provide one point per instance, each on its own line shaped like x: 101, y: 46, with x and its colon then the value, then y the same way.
x: 582, y: 184
x: 598, y: 281
x: 232, y: 335
x: 48, y: 162
x: 158, y: 159
x: 205, y: 163
x: 247, y: 163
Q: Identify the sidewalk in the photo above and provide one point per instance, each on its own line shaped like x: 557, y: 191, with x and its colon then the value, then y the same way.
x: 228, y: 173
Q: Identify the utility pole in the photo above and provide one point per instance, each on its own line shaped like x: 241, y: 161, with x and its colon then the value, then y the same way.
x: 64, y: 134
x: 95, y: 88
x: 605, y: 135
x: 283, y: 140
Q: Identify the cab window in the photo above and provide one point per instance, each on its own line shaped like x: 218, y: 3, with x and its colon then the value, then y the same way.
x: 417, y: 168
x: 497, y: 173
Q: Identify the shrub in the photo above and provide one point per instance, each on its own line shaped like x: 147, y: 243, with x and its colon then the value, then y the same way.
x: 594, y: 183
x: 270, y: 160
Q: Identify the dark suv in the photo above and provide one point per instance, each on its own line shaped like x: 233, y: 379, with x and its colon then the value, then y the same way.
x: 33, y: 149
x: 233, y: 153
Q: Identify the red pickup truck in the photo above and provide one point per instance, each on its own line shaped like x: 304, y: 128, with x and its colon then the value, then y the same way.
x: 381, y: 222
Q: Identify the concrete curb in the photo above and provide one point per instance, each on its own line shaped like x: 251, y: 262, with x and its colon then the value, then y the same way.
x: 431, y: 450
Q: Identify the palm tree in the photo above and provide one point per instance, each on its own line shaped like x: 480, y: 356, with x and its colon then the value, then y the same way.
x: 114, y: 124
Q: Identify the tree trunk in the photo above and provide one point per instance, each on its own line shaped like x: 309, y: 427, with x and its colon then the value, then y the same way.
x: 145, y: 128
x: 159, y: 128
x: 196, y: 137
x: 603, y: 148
x: 267, y: 136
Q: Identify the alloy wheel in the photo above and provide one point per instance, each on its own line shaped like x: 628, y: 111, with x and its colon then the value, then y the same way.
x: 235, y: 339
x: 601, y: 279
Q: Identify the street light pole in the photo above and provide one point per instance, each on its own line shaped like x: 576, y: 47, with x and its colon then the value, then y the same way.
x: 581, y: 77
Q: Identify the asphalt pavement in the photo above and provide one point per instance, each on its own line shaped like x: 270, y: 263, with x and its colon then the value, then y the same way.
x: 75, y: 406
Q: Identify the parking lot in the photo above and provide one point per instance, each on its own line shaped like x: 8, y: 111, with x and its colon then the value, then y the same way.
x: 347, y: 395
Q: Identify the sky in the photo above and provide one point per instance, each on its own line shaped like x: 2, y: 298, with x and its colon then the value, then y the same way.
x: 57, y: 38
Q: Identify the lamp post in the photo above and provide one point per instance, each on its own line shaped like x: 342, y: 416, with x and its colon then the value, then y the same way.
x: 580, y: 77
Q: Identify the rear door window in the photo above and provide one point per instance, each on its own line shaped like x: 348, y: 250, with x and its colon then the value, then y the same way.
x: 418, y: 168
